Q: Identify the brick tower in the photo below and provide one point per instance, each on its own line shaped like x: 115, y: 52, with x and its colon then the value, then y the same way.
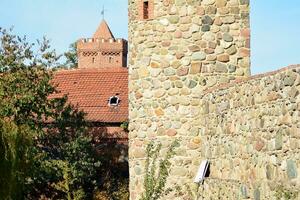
x: 178, y: 50
x: 102, y: 50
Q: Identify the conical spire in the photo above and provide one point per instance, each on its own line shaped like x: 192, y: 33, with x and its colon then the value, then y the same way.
x: 103, y: 31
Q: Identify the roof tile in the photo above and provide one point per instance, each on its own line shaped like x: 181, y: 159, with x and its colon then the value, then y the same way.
x: 90, y: 89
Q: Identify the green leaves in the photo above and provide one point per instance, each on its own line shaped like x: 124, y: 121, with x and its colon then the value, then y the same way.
x: 44, y: 150
x: 71, y: 57
x: 157, y: 171
x: 15, y: 157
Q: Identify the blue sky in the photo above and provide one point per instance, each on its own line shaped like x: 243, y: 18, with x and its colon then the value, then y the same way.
x: 275, y: 25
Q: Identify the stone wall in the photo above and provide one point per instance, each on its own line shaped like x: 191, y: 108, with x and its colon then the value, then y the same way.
x: 189, y: 79
x: 187, y: 47
x: 250, y: 132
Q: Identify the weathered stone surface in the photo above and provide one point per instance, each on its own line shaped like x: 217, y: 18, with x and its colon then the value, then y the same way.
x: 171, y: 132
x: 240, y: 72
x: 259, y: 145
x: 138, y: 153
x: 179, y: 55
x: 159, y: 93
x: 228, y: 19
x: 289, y: 79
x: 223, y: 58
x: 195, y: 68
x: 174, y: 19
x: 291, y: 169
x: 208, y: 2
x: 194, y: 48
x: 278, y: 141
x: 169, y: 72
x: 244, y: 52
x: 182, y: 71
x: 231, y: 50
x: 159, y: 112
x: 155, y: 64
x: 143, y: 72
x: 207, y: 20
x: 194, y: 28
x: 243, y: 2
x: 178, y: 34
x: 205, y: 28
x: 244, y: 191
x: 256, y: 194
x: 221, y: 3
x: 221, y: 68
x: 189, y: 71
x: 227, y: 37
x: 164, y: 22
x: 192, y: 84
x: 245, y: 33
x: 198, y: 56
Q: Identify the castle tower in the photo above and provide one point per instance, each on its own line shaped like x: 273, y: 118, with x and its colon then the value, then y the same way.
x: 178, y: 49
x: 102, y: 50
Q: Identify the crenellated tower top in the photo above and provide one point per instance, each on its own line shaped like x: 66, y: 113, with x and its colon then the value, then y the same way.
x: 102, y: 50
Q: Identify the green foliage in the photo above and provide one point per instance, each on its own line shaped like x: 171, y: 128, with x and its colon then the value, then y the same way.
x: 67, y: 165
x: 54, y: 161
x: 155, y: 179
x: 125, y: 125
x: 14, y: 159
x: 67, y: 183
x: 114, y: 173
x: 115, y: 185
x: 71, y: 57
x: 286, y: 193
x: 24, y: 89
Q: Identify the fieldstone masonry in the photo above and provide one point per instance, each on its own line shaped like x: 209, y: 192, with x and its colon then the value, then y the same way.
x: 189, y: 78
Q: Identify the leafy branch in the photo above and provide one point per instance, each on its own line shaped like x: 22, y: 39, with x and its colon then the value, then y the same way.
x: 155, y: 179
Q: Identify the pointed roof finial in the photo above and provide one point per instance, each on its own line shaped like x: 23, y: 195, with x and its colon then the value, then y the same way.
x: 103, y: 31
x: 103, y: 12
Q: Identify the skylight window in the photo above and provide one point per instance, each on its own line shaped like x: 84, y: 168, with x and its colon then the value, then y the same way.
x: 114, y: 101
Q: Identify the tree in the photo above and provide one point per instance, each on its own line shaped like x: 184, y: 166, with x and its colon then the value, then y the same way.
x: 71, y: 57
x: 44, y: 150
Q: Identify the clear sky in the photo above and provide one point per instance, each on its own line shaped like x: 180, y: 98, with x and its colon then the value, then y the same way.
x: 275, y: 25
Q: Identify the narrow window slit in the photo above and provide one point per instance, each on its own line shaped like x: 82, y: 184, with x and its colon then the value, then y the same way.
x: 146, y: 9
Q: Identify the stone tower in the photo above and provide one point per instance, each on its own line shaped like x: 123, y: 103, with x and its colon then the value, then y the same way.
x: 178, y: 49
x: 102, y: 50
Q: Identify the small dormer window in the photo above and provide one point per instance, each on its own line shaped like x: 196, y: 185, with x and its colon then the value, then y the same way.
x: 114, y: 101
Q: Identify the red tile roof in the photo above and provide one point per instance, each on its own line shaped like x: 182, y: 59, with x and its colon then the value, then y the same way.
x: 90, y: 90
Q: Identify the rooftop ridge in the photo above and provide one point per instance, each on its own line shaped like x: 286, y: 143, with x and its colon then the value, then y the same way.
x: 91, y: 70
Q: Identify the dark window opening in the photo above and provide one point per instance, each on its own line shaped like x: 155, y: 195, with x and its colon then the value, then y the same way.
x: 146, y: 10
x: 110, y: 59
x: 113, y: 101
x: 93, y: 60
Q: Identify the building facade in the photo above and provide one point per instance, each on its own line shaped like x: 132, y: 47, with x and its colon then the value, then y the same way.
x: 102, y: 50
x: 189, y: 79
x: 99, y: 87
